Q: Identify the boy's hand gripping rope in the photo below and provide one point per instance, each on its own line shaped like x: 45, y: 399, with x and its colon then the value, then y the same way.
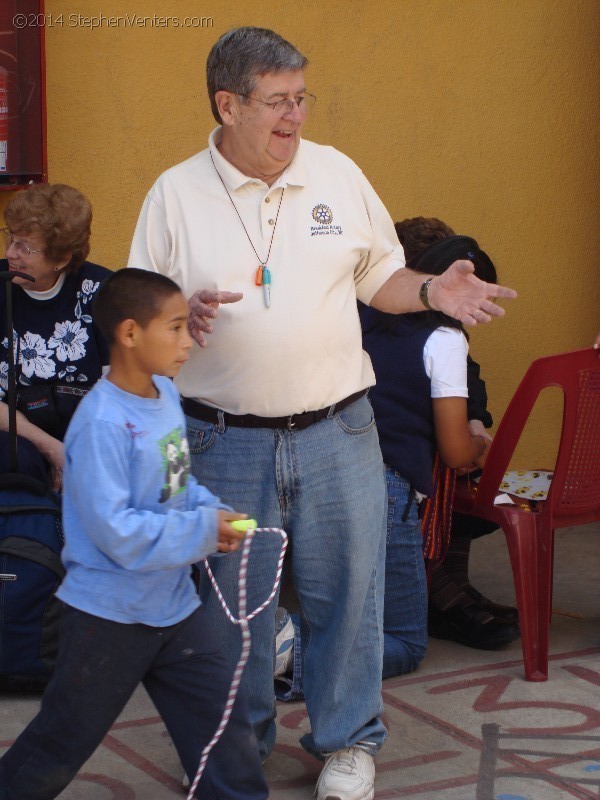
x: 242, y: 621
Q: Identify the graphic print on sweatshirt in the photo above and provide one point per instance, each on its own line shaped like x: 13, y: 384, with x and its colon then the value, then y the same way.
x: 175, y: 453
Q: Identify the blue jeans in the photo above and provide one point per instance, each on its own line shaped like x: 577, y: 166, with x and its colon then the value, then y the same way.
x: 325, y: 487
x: 405, y: 606
x: 100, y: 663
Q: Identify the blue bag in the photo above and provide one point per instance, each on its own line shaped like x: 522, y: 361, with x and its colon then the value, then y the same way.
x: 31, y: 540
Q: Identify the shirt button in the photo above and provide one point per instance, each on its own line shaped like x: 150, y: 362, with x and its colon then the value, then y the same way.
x: 267, y: 199
x: 271, y: 222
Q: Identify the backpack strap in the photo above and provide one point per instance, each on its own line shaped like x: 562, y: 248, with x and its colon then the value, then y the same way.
x: 33, y: 551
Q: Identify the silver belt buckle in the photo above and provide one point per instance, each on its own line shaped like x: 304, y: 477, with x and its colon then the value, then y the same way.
x: 291, y: 425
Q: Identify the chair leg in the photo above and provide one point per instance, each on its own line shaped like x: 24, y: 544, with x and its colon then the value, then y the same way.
x: 551, y: 578
x: 530, y: 547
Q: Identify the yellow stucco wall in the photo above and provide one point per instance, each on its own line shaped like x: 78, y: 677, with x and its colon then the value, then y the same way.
x: 482, y: 112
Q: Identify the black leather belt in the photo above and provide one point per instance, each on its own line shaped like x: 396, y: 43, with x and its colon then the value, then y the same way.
x: 295, y: 422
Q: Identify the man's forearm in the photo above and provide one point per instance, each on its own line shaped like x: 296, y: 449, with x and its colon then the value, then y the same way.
x: 456, y: 291
x: 400, y: 293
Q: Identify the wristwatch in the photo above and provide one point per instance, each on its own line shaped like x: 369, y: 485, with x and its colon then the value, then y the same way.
x: 424, y: 294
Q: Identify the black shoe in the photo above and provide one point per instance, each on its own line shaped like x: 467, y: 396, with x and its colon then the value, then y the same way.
x: 502, y: 613
x: 466, y: 625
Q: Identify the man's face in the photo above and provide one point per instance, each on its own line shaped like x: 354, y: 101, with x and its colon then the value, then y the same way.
x: 259, y: 141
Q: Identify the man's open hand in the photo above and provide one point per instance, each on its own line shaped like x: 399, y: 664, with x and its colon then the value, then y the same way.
x: 459, y: 294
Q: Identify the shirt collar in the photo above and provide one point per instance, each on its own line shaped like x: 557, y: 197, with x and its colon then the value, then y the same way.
x: 294, y: 175
x: 47, y: 294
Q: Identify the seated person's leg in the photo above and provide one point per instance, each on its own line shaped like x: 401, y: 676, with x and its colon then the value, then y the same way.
x: 405, y: 603
x: 458, y: 612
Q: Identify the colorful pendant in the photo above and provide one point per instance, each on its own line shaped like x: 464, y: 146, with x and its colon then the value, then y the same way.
x: 266, y: 280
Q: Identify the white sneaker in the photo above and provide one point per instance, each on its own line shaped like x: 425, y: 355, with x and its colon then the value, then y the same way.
x: 284, y: 642
x: 347, y: 775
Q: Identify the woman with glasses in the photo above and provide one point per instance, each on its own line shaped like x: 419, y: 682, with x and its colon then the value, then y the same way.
x: 58, y: 353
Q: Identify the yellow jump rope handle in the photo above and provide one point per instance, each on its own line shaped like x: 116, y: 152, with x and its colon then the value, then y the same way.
x: 244, y: 524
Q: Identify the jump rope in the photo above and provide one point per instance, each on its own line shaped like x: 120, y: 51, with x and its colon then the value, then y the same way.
x: 248, y: 525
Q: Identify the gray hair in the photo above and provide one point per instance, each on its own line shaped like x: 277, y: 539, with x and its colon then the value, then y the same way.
x: 243, y: 54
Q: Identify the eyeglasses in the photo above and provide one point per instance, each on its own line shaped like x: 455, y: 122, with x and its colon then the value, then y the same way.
x: 20, y: 247
x: 284, y: 107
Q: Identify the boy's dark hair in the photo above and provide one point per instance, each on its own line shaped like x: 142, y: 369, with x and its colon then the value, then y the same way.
x: 130, y: 294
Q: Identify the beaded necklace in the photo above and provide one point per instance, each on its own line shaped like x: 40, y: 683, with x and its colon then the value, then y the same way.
x: 262, y: 276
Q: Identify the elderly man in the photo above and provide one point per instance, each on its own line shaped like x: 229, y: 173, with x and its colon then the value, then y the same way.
x: 278, y: 420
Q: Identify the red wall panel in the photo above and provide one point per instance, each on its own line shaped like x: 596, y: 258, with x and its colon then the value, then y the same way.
x: 22, y: 93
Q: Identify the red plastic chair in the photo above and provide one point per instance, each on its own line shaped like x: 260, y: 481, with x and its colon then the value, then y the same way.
x: 573, y: 497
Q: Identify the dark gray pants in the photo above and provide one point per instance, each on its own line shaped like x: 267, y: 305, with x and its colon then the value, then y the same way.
x: 100, y: 663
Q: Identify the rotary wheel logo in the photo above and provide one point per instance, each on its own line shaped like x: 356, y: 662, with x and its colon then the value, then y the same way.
x: 322, y: 214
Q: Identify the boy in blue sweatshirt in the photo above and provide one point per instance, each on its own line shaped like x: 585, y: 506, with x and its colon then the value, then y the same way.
x: 135, y: 519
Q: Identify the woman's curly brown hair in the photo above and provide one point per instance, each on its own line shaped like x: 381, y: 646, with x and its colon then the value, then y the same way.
x: 60, y: 214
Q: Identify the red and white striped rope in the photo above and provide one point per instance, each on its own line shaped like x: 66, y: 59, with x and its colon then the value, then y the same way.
x: 242, y: 621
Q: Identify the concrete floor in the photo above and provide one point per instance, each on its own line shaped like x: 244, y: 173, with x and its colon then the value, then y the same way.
x: 465, y: 726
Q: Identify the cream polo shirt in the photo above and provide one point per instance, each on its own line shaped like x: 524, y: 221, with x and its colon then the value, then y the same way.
x: 333, y: 242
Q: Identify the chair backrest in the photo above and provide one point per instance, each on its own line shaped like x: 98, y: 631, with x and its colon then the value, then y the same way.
x: 575, y: 488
